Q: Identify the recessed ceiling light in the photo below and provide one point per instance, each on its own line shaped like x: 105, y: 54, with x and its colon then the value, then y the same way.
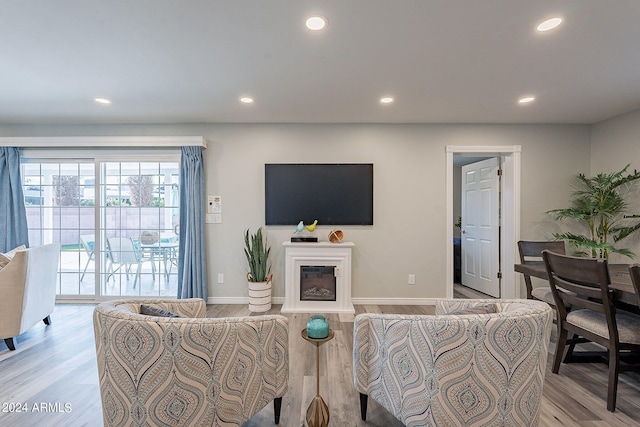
x: 549, y: 24
x: 102, y: 100
x: 316, y: 23
x: 246, y: 100
x: 386, y: 100
x: 526, y: 100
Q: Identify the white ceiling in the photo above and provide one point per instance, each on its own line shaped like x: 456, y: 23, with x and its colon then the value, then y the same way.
x: 444, y: 61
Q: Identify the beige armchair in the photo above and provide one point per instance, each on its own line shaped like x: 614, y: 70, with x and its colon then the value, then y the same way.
x: 455, y: 369
x: 27, y: 291
x: 190, y: 370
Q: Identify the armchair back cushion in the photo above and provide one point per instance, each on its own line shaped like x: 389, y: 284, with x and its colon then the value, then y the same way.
x: 28, y: 289
x: 456, y: 370
x: 188, y: 370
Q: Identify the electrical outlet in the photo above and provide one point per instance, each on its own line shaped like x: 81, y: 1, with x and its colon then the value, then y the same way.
x: 220, y: 277
x: 412, y: 279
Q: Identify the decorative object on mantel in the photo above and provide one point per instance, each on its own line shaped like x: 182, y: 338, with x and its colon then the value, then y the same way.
x: 335, y: 236
x: 312, y: 227
x: 317, y: 327
x: 307, y: 238
x: 258, y: 277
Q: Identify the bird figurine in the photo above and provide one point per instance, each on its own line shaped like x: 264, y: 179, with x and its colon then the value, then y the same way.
x: 300, y: 227
x: 312, y: 227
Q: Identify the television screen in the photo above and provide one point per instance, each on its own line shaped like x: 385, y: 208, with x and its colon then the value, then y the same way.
x: 334, y: 194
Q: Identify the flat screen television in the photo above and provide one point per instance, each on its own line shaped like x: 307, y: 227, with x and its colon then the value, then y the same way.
x: 334, y: 194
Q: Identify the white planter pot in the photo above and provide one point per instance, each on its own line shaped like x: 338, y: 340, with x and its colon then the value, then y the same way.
x: 260, y: 295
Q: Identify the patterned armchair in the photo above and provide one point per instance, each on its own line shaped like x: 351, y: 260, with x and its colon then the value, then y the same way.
x: 190, y: 370
x: 455, y: 369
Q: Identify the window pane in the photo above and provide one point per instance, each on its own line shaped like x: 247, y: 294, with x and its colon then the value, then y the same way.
x: 140, y: 248
x: 54, y: 193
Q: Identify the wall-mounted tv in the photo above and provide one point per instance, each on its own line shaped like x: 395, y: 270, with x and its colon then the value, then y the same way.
x: 334, y: 194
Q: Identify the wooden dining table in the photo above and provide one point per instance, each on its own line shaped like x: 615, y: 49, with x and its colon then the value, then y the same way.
x: 621, y: 285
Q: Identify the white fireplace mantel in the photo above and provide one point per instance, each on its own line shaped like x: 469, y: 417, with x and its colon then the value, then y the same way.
x: 317, y: 254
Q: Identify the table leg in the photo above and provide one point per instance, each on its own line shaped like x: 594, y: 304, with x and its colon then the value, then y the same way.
x: 318, y: 411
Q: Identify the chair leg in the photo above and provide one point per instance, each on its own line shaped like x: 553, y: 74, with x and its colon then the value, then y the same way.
x: 277, y: 405
x: 614, y: 370
x: 85, y: 267
x: 137, y: 275
x: 363, y: 406
x: 528, y: 285
x: 110, y: 271
x: 572, y: 346
x: 47, y: 320
x: 11, y: 343
x: 560, y: 345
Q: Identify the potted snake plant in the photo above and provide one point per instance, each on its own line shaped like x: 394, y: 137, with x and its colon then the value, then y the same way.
x: 259, y: 276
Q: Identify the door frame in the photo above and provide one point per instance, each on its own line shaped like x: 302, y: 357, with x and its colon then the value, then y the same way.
x: 510, y: 211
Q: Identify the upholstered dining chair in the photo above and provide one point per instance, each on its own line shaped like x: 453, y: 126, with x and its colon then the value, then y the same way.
x: 531, y: 251
x: 634, y: 272
x: 593, y: 316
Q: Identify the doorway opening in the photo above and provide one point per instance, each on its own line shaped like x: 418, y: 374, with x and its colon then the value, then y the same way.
x: 476, y: 240
x: 509, y: 200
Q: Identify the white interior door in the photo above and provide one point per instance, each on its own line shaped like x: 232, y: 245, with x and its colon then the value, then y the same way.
x: 480, y: 237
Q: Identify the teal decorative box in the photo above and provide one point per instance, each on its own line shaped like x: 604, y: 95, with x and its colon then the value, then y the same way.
x: 317, y: 327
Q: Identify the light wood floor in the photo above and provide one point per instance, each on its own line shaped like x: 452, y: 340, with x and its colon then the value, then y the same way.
x: 56, y: 365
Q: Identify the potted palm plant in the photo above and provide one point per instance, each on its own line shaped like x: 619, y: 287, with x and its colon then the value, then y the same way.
x: 599, y: 204
x: 259, y: 276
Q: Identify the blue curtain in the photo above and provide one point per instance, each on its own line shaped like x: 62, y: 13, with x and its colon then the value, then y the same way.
x: 192, y: 262
x: 13, y: 215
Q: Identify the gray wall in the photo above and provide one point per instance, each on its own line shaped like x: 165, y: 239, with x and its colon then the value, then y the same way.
x: 614, y: 144
x: 409, y: 205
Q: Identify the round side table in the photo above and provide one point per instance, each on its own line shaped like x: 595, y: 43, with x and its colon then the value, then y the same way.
x: 317, y: 412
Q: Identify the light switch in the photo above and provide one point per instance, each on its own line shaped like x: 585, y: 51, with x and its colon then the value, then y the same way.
x: 213, y: 218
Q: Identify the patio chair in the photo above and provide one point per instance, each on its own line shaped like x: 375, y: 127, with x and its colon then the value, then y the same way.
x: 123, y: 252
x: 593, y: 316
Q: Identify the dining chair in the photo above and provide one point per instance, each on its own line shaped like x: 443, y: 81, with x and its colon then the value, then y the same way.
x: 593, y: 316
x: 123, y: 252
x: 531, y: 251
x: 634, y: 272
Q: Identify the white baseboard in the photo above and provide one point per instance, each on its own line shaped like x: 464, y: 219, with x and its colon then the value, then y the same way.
x: 239, y: 300
x: 394, y: 301
x: 356, y: 301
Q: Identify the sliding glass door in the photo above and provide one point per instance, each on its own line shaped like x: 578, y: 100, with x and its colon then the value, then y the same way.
x: 116, y: 223
x: 139, y: 214
x: 60, y: 204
